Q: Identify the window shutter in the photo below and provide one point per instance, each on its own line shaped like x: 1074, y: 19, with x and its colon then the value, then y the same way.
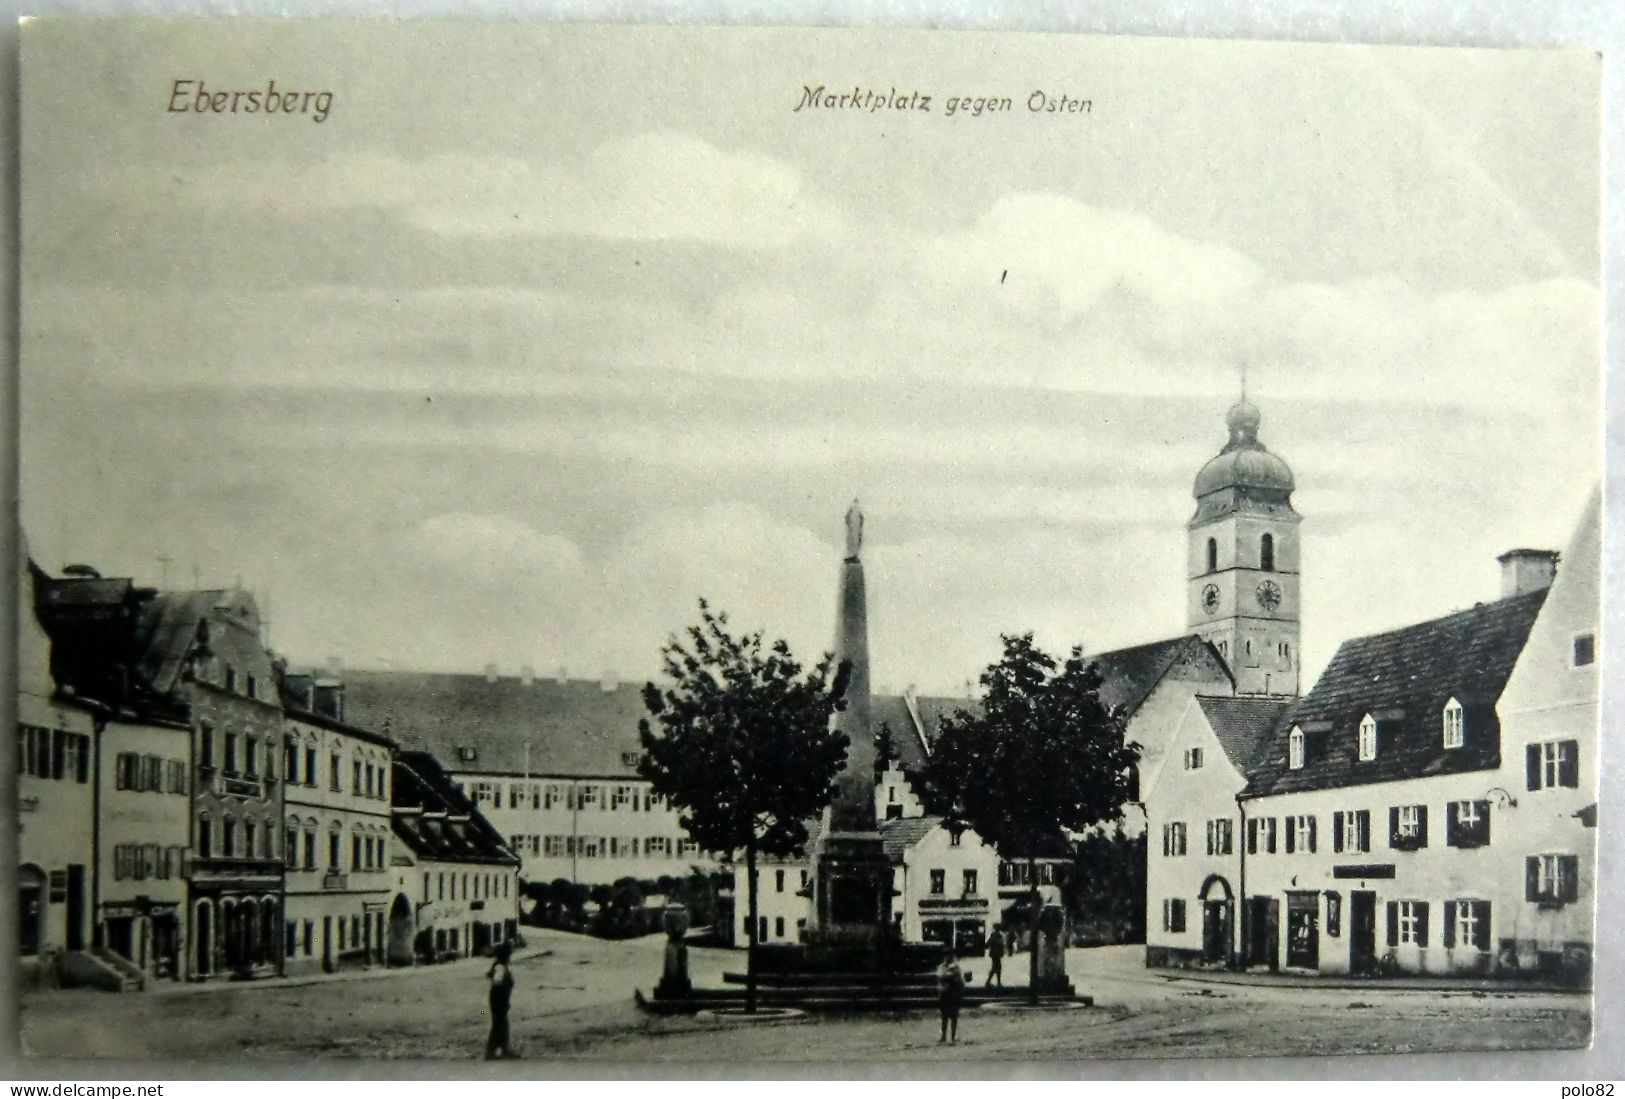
x: 1270, y: 835
x: 82, y: 772
x: 1364, y: 824
x: 1291, y: 835
x: 1252, y: 837
x: 1164, y: 841
x: 1481, y: 929
x: 1421, y: 826
x: 1568, y: 768
x: 1421, y: 923
x: 58, y: 740
x: 1531, y: 762
x: 118, y: 772
x: 1393, y: 923
x: 1483, y: 808
x: 1570, y: 873
x: 1393, y: 826
x: 1448, y: 934
x: 1312, y: 835
x: 1337, y: 831
x: 1452, y: 826
x: 1531, y: 878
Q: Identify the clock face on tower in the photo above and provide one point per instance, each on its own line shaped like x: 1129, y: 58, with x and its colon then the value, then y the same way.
x: 1269, y: 595
x: 1210, y: 598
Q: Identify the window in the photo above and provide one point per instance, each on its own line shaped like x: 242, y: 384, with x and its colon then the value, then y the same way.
x: 333, y: 850
x: 939, y: 882
x: 778, y: 926
x: 1173, y: 839
x: 228, y: 838
x: 1368, y: 738
x: 253, y: 687
x: 310, y: 767
x: 1407, y: 923
x: 1173, y: 914
x: 1553, y: 763
x: 1453, y: 737
x: 1266, y: 553
x: 310, y: 846
x: 778, y: 881
x: 1212, y: 555
x: 249, y: 834
x: 467, y: 754
x: 587, y: 796
x: 231, y: 752
x: 290, y: 848
x: 1467, y: 924
x: 1261, y: 835
x: 1351, y: 831
x: 231, y: 678
x: 657, y: 845
x: 969, y: 882
x: 1552, y: 880
x: 1468, y: 824
x: 1294, y: 749
x: 205, y: 746
x: 335, y: 771
x: 1220, y: 836
x: 355, y: 776
x: 252, y: 751
x: 1300, y: 834
x: 1193, y: 759
x: 1408, y: 827
x: 686, y: 847
x: 290, y: 761
x: 1585, y: 649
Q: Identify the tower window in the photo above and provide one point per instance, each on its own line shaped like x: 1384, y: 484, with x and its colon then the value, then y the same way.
x: 1294, y: 749
x: 1212, y: 555
x: 1266, y: 553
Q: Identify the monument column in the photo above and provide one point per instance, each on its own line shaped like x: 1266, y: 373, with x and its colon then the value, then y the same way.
x: 854, y: 890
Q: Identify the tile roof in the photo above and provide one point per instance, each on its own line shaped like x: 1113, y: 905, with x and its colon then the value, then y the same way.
x: 1131, y: 674
x: 1403, y: 678
x: 1245, y: 727
x: 897, y: 836
x: 434, y: 818
x: 572, y: 727
x: 168, y: 628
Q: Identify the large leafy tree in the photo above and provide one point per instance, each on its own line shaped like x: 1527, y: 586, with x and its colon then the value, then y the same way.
x: 1044, y: 756
x: 740, y: 742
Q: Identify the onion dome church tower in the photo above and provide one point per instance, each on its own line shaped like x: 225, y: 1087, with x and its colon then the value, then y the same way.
x: 1242, y: 562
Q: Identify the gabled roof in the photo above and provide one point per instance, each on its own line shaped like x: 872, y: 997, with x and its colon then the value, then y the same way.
x: 1130, y: 675
x: 549, y: 726
x: 436, y: 821
x: 1243, y: 726
x: 168, y: 628
x: 897, y: 836
x: 1403, y: 678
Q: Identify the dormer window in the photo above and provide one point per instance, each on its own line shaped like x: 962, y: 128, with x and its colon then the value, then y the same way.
x: 1368, y: 738
x: 1585, y: 649
x: 1294, y: 749
x: 1453, y: 734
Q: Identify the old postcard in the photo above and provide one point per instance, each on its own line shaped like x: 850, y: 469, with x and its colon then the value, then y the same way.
x: 722, y: 545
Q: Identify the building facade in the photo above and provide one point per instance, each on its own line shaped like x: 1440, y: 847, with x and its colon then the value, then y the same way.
x: 1396, y: 815
x: 56, y: 739
x: 456, y: 880
x: 338, y: 838
x: 1195, y: 830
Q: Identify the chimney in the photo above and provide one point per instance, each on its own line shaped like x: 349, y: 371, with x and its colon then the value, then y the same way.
x: 527, y: 674
x: 490, y: 673
x: 1526, y: 570
x: 609, y: 682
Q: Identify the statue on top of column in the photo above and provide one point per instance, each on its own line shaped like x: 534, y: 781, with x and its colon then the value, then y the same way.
x: 854, y: 531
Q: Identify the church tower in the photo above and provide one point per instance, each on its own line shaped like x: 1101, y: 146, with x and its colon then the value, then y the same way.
x: 1242, y: 562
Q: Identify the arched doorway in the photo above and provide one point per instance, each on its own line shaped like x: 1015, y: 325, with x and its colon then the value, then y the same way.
x: 1218, y: 919
x: 203, y: 939
x: 402, y: 928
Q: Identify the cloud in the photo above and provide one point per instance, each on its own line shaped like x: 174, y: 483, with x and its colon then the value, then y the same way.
x: 647, y: 187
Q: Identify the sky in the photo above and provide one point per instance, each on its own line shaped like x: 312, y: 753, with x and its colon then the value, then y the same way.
x: 547, y: 331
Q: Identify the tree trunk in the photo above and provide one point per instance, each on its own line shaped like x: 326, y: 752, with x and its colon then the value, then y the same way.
x: 750, y: 940
x: 1032, y: 959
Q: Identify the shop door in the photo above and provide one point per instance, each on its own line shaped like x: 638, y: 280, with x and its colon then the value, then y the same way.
x: 1303, y: 931
x: 1215, y: 930
x: 1264, y: 932
x: 1362, y: 931
x: 76, y: 907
